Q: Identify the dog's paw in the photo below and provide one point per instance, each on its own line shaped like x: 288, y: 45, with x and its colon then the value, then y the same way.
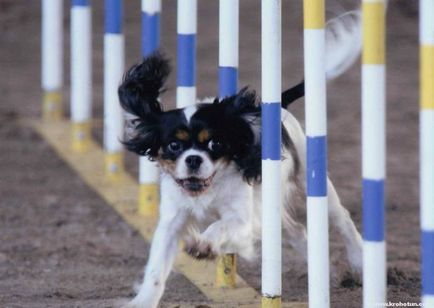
x: 355, y: 258
x: 200, y: 249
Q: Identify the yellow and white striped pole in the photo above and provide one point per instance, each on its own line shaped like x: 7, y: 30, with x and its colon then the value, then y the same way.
x: 52, y: 58
x: 149, y: 172
x: 373, y: 152
x: 81, y: 74
x: 113, y: 71
x: 427, y: 150
x: 316, y: 156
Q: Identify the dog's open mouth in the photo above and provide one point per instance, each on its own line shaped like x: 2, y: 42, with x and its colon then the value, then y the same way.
x: 195, y: 185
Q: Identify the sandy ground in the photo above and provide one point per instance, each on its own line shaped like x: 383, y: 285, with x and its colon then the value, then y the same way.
x: 61, y: 246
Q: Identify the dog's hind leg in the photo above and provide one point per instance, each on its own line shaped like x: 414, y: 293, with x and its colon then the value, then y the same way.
x: 341, y: 218
x: 296, y: 232
x: 296, y: 235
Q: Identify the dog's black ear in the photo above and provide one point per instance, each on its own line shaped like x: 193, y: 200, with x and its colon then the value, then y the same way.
x: 138, y: 95
x: 244, y: 103
x: 242, y: 113
x: 142, y: 84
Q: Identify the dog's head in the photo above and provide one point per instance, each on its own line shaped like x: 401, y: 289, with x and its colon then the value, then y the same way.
x: 196, y: 143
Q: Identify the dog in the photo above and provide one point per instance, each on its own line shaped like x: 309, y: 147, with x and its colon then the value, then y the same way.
x: 209, y: 155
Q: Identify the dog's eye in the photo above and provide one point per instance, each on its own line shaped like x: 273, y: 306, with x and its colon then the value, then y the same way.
x: 215, y: 146
x: 174, y: 147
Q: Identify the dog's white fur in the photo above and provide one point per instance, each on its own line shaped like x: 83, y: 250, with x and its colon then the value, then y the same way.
x: 226, y: 218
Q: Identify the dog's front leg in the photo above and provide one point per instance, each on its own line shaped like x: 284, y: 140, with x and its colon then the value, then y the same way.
x: 232, y: 233
x: 163, y: 251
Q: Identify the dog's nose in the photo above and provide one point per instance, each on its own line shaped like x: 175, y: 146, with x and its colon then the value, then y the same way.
x: 193, y: 162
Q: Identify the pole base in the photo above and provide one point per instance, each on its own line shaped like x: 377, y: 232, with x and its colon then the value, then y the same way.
x: 149, y: 198
x: 271, y: 302
x: 113, y: 165
x: 52, y: 105
x: 226, y: 271
x: 81, y: 136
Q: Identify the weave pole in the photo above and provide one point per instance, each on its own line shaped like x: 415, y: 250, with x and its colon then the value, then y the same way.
x: 228, y: 47
x: 52, y: 58
x: 149, y: 174
x: 316, y: 173
x: 373, y: 152
x: 81, y: 74
x: 186, y: 73
x: 427, y: 149
x: 271, y: 156
x: 228, y: 85
x: 113, y: 71
x: 151, y: 11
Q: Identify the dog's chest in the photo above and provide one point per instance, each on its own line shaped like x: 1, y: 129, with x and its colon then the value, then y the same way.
x: 203, y: 217
x: 205, y: 207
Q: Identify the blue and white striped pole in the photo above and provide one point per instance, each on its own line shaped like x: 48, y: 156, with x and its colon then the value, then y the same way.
x: 373, y: 152
x: 52, y: 58
x: 228, y: 85
x: 228, y: 47
x: 427, y: 149
x: 151, y: 12
x: 149, y: 173
x: 113, y: 71
x: 271, y: 156
x: 186, y: 73
x: 316, y: 173
x: 81, y: 74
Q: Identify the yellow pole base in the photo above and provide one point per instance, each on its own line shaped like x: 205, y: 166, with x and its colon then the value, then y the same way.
x: 226, y: 271
x: 114, y: 165
x: 271, y: 302
x: 81, y: 136
x: 427, y: 77
x: 52, y: 105
x: 149, y: 198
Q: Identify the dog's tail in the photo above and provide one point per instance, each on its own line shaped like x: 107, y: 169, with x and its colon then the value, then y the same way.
x: 343, y: 46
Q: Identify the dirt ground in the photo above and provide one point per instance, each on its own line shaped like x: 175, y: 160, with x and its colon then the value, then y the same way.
x: 61, y: 246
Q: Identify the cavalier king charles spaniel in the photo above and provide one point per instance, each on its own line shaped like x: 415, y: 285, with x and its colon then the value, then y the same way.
x: 209, y: 155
